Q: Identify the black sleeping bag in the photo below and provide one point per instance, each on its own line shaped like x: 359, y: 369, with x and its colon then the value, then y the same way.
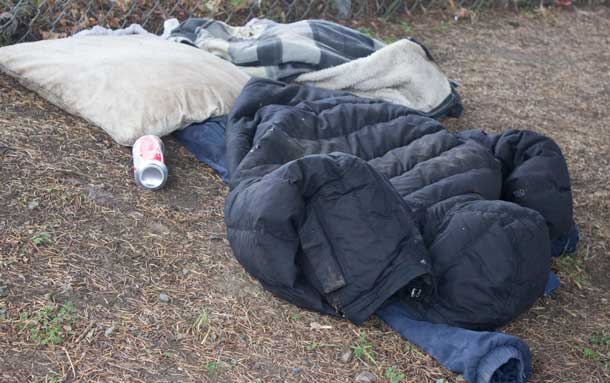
x: 338, y: 203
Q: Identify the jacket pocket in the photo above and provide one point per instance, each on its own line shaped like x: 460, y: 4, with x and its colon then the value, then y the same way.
x: 318, y: 255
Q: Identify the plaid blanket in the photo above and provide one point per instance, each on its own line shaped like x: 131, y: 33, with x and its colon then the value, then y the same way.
x: 264, y: 48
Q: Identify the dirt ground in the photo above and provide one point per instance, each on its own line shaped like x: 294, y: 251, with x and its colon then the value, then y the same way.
x: 136, y: 286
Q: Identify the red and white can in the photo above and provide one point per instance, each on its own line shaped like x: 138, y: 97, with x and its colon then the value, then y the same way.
x: 149, y: 168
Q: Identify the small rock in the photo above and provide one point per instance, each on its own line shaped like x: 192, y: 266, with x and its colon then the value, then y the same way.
x: 164, y: 297
x: 181, y: 336
x: 101, y: 196
x: 460, y: 378
x: 136, y: 215
x: 366, y: 377
x: 33, y: 205
x: 185, y: 271
x: 2, y: 312
x: 73, y: 181
x: 3, y: 291
x: 346, y: 357
x: 109, y: 331
x: 296, y: 370
x: 158, y: 228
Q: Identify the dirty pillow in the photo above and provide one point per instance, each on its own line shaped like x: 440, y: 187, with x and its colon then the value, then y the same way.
x: 127, y: 85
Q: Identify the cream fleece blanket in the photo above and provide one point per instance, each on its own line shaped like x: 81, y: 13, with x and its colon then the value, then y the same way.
x: 400, y: 73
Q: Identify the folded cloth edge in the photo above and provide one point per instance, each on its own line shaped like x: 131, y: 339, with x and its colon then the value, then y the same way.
x: 477, y: 355
x: 491, y: 363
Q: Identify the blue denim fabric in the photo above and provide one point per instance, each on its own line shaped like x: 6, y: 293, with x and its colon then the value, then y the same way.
x: 480, y: 356
x: 206, y: 140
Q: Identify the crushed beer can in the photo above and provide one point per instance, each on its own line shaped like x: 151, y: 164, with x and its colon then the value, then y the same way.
x: 149, y: 168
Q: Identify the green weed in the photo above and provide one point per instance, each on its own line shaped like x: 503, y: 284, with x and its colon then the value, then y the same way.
x: 363, y: 350
x: 42, y: 239
x: 600, y: 339
x: 393, y: 375
x: 213, y: 368
x: 591, y: 354
x: 312, y: 346
x: 50, y: 325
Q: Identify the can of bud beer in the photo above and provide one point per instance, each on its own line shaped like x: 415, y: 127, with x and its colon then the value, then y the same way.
x: 149, y: 168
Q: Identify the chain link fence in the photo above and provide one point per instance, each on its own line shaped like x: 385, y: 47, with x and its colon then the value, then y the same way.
x: 25, y: 20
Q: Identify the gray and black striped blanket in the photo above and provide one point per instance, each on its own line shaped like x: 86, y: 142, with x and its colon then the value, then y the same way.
x: 264, y: 48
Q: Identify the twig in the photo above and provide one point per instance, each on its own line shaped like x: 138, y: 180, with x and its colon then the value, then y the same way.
x: 82, y: 335
x: 71, y: 365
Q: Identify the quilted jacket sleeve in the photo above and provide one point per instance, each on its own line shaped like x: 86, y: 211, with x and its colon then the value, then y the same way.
x: 535, y: 175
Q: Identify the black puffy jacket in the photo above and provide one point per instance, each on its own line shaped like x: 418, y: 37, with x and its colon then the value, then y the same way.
x: 338, y: 203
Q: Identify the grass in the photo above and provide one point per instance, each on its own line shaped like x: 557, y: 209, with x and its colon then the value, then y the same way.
x: 367, y: 31
x: 203, y: 320
x: 202, y: 326
x: 572, y: 267
x: 406, y: 27
x: 377, y: 36
x: 111, y: 263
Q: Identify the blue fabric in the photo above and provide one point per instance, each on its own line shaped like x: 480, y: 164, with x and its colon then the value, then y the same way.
x: 206, y: 140
x: 565, y: 244
x: 551, y: 284
x: 481, y: 357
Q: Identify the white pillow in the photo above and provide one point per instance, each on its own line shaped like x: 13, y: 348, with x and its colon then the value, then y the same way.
x: 129, y: 86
